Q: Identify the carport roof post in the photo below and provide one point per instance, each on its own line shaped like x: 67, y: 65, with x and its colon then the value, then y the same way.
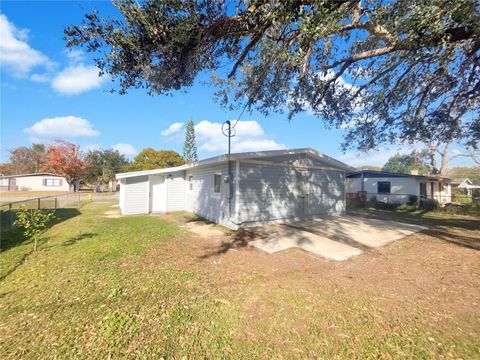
x: 241, y: 156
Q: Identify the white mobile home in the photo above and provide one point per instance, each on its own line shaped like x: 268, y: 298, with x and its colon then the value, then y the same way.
x: 245, y: 189
x: 34, y: 182
x: 398, y: 188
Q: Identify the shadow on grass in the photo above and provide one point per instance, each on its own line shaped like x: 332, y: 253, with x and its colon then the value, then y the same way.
x: 12, y: 236
x: 437, y: 227
x: 239, y: 239
x: 78, y: 238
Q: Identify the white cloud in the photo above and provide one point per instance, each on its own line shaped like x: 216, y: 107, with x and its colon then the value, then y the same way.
x: 125, y: 149
x: 77, y: 79
x: 91, y: 147
x: 174, y: 128
x: 62, y: 126
x: 15, y: 53
x: 377, y: 157
x: 75, y: 55
x: 40, y: 78
x: 249, y: 136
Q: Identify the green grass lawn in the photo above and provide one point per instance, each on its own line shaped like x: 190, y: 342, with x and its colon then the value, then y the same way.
x: 137, y: 287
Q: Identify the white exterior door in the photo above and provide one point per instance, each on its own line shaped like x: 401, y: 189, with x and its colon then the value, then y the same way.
x: 158, y: 194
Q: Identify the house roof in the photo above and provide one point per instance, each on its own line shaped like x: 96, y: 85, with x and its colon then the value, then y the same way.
x: 26, y: 175
x: 377, y: 174
x: 241, y: 156
x: 459, y: 181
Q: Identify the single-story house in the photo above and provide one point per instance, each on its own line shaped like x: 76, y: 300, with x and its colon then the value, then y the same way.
x: 34, y: 182
x: 399, y: 188
x: 465, y: 185
x: 243, y: 189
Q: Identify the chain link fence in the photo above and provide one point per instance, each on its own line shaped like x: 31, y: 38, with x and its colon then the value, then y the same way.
x: 53, y: 202
x: 410, y: 199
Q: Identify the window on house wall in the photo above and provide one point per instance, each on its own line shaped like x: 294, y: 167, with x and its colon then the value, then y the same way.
x: 190, y: 183
x: 441, y: 186
x: 52, y: 182
x: 383, y: 187
x: 217, y: 180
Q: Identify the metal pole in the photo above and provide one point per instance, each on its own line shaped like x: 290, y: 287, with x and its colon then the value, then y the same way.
x: 229, y: 162
x: 56, y: 201
x: 38, y: 200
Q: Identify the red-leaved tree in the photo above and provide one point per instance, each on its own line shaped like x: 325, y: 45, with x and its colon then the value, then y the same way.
x: 64, y: 158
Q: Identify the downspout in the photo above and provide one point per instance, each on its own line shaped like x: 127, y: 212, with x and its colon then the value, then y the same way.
x: 362, y: 185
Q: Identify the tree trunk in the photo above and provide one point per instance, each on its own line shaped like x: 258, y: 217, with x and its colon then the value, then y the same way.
x: 444, y: 160
x: 433, y: 161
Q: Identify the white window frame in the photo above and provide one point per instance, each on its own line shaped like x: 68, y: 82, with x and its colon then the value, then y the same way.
x: 52, y: 182
x: 190, y: 183
x: 389, y: 187
x: 217, y: 193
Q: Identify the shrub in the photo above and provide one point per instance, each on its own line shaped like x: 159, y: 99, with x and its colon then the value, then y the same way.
x: 462, y: 209
x: 461, y: 198
x: 428, y: 204
x: 33, y: 222
x: 412, y: 199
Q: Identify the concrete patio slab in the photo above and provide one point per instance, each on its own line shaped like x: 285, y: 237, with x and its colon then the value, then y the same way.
x: 274, y: 238
x: 336, y: 238
x: 371, y: 233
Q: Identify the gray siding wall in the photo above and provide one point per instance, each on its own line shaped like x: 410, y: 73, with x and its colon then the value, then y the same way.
x: 296, y: 158
x: 136, y: 195
x: 176, y: 192
x: 269, y: 192
x: 325, y: 193
x: 203, y: 201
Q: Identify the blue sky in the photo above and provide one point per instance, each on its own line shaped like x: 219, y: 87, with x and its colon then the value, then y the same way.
x: 48, y: 92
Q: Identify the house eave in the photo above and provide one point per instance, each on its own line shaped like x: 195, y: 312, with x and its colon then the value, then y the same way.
x: 220, y: 159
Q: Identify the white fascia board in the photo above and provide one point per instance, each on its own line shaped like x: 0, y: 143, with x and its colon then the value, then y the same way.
x: 240, y: 156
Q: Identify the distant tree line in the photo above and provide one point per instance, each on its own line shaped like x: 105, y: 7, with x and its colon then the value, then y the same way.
x: 92, y: 167
x: 419, y: 162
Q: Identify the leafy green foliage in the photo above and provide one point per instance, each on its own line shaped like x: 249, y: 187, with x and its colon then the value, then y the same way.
x: 149, y: 159
x: 405, y: 164
x: 472, y: 173
x: 24, y: 160
x: 102, y: 165
x: 190, y: 146
x: 385, y: 71
x: 33, y: 222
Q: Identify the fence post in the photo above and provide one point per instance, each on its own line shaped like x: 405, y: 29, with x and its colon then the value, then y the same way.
x: 38, y: 201
x: 11, y: 214
x: 55, y: 202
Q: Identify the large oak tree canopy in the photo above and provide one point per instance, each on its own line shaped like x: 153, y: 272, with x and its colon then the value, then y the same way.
x: 385, y: 71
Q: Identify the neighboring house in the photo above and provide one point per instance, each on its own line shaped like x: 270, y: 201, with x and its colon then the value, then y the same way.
x: 264, y: 186
x: 399, y: 188
x: 465, y: 185
x: 34, y: 182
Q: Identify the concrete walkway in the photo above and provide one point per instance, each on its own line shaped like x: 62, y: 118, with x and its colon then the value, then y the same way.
x: 336, y: 238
